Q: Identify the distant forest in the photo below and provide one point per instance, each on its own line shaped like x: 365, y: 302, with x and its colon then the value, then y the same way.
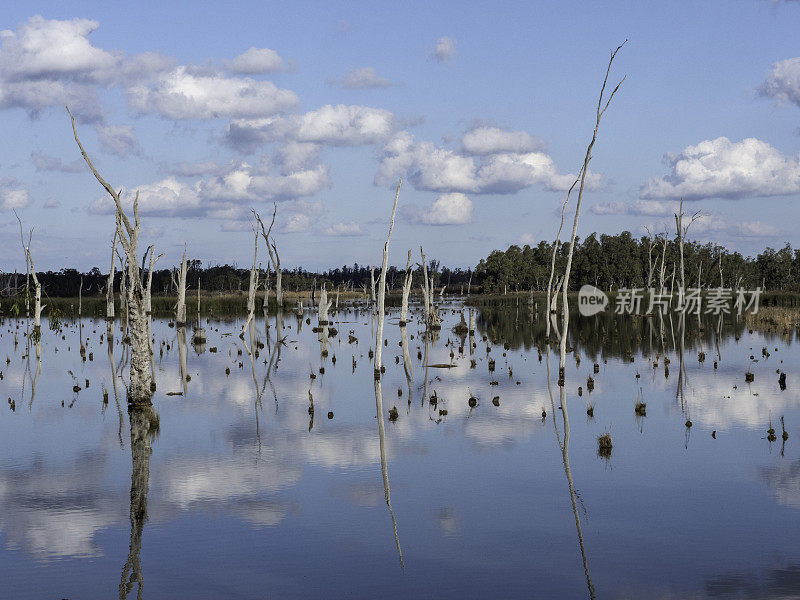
x: 606, y: 261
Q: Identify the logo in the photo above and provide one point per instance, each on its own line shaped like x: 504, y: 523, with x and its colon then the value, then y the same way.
x: 591, y: 300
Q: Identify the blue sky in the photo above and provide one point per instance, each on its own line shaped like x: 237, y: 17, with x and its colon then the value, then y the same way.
x: 484, y: 109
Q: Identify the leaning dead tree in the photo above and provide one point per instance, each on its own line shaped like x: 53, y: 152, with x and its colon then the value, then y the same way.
x: 273, y: 255
x: 37, y: 288
x: 128, y: 233
x: 179, y: 281
x: 601, y: 109
x: 556, y: 244
x: 382, y: 288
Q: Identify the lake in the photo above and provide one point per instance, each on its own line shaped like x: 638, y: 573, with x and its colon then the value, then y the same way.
x: 480, y: 477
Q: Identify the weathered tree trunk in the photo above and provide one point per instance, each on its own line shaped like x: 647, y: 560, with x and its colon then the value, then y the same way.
x: 372, y: 283
x: 323, y: 307
x: 273, y: 255
x: 128, y: 233
x: 382, y: 289
x: 37, y: 297
x: 406, y: 291
x: 148, y: 290
x: 601, y: 109
x: 110, y: 284
x: 432, y: 320
x: 253, y: 284
x: 180, y: 307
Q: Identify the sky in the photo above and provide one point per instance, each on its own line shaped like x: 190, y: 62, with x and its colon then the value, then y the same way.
x: 483, y: 109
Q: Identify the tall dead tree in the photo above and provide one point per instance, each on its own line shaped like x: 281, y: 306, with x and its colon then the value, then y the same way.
x: 273, y: 255
x: 149, y: 287
x: 682, y: 230
x: 251, y: 290
x: 432, y: 320
x: 406, y: 291
x: 382, y: 288
x: 128, y: 233
x: 110, y: 282
x: 556, y: 244
x: 179, y: 281
x: 37, y: 288
x: 601, y: 109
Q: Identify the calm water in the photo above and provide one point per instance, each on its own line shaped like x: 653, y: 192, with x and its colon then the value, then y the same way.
x: 232, y: 490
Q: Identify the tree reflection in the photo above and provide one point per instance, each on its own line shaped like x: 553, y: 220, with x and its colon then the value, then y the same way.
x: 384, y: 466
x: 144, y: 428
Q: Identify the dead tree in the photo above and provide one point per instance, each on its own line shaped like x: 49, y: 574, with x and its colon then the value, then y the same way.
x: 128, y: 233
x: 251, y: 290
x: 110, y: 283
x: 682, y: 230
x: 372, y: 283
x: 323, y: 307
x: 601, y: 109
x: 432, y: 320
x: 180, y: 284
x: 382, y: 288
x: 273, y: 255
x: 406, y: 291
x: 149, y: 287
x: 37, y: 288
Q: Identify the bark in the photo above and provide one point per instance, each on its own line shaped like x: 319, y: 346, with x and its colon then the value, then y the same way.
x: 406, y: 291
x: 382, y: 288
x: 372, y: 283
x: 110, y: 284
x: 128, y: 234
x: 180, y: 284
x: 323, y: 307
x: 273, y: 254
x: 432, y: 320
x: 601, y: 109
x: 148, y: 290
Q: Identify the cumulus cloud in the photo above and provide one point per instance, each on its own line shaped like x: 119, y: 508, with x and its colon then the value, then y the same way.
x: 256, y: 61
x: 448, y: 209
x: 783, y: 82
x: 491, y: 140
x: 49, y: 63
x: 45, y: 162
x: 723, y: 169
x: 226, y: 195
x: 438, y: 169
x: 340, y: 125
x: 12, y: 196
x: 185, y: 93
x: 344, y: 229
x: 119, y: 140
x: 359, y: 79
x: 445, y: 49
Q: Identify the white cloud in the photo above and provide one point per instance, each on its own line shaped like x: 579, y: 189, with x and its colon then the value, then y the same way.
x: 186, y: 169
x: 52, y: 203
x: 723, y: 169
x: 187, y: 94
x: 448, y: 209
x: 43, y: 49
x: 491, y: 140
x: 344, y: 229
x: 757, y: 229
x: 256, y: 61
x: 358, y: 79
x: 119, y: 140
x: 12, y: 196
x: 438, y: 169
x: 226, y: 195
x: 340, y: 125
x: 783, y: 82
x: 445, y: 49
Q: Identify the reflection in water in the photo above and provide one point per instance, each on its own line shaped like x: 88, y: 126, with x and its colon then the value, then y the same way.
x: 110, y: 345
x: 564, y: 446
x: 181, y: 335
x: 144, y: 427
x: 384, y: 466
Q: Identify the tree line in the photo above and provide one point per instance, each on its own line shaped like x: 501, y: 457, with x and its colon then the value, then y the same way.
x: 612, y: 262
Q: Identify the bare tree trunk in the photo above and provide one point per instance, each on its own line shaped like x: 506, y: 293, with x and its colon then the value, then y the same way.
x: 432, y: 320
x: 601, y: 109
x: 273, y: 255
x: 556, y: 244
x: 110, y: 284
x: 406, y: 291
x: 372, y: 283
x: 323, y: 307
x: 180, y: 307
x: 382, y: 289
x: 148, y: 308
x: 128, y: 233
x: 253, y: 284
